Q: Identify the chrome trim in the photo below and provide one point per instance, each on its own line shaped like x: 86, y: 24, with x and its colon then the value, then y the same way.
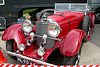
x: 42, y: 49
x: 77, y: 61
x: 69, y: 5
x: 44, y: 37
x: 48, y: 37
x: 57, y: 25
x: 30, y: 23
x: 27, y: 58
x: 28, y: 42
x: 32, y: 36
x: 21, y: 45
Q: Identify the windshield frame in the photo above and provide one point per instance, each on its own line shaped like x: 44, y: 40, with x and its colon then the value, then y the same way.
x: 70, y: 5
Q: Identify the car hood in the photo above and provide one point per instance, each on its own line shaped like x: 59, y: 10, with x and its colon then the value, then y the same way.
x: 69, y: 14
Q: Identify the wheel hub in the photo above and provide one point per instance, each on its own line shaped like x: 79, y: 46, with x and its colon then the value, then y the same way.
x: 77, y: 60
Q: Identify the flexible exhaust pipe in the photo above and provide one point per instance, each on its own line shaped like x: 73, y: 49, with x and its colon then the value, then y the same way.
x: 27, y: 58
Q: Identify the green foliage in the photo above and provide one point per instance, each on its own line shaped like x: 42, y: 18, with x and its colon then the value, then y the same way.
x: 26, y: 11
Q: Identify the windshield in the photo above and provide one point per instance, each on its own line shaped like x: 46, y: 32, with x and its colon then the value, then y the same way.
x: 70, y: 7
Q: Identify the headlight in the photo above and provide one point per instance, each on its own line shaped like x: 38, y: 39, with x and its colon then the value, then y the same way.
x: 40, y: 51
x: 54, y: 29
x: 21, y: 47
x: 27, y: 26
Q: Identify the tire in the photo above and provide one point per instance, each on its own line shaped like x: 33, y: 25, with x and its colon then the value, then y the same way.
x: 10, y: 47
x: 73, y: 60
x: 98, y: 17
x: 56, y: 57
x: 86, y: 25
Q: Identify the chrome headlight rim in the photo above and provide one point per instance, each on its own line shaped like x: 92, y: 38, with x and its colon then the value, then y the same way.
x: 21, y: 47
x: 28, y: 24
x: 58, y: 32
x: 40, y: 52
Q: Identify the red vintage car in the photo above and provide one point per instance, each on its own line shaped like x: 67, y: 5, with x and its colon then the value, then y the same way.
x: 55, y: 39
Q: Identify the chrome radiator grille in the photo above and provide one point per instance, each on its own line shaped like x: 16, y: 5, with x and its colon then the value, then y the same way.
x: 41, y: 29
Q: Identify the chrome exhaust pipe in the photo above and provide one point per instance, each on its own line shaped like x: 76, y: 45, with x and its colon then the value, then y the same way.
x: 27, y: 58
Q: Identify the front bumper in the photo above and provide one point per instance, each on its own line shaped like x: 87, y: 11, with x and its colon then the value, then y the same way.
x: 27, y: 58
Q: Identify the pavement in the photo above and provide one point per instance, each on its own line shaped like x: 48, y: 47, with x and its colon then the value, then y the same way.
x: 91, y: 50
x: 90, y: 54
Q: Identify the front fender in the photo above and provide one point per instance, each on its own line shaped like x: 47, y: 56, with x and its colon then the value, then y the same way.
x: 70, y: 45
x: 14, y: 32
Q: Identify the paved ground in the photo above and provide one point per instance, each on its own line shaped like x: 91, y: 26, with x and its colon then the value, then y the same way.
x: 90, y: 51
x: 95, y: 39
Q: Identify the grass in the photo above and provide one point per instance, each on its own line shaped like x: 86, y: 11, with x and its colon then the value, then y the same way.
x: 27, y: 11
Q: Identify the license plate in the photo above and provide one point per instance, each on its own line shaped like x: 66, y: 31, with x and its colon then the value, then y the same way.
x: 25, y: 61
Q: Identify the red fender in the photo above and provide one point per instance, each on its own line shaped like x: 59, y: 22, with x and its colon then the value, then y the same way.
x: 70, y: 45
x: 14, y: 32
x: 92, y: 17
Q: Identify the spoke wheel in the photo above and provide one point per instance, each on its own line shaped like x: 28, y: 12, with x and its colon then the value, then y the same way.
x: 88, y: 33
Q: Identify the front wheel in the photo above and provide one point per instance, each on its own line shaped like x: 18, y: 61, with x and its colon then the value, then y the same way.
x: 12, y: 47
x: 73, y: 60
